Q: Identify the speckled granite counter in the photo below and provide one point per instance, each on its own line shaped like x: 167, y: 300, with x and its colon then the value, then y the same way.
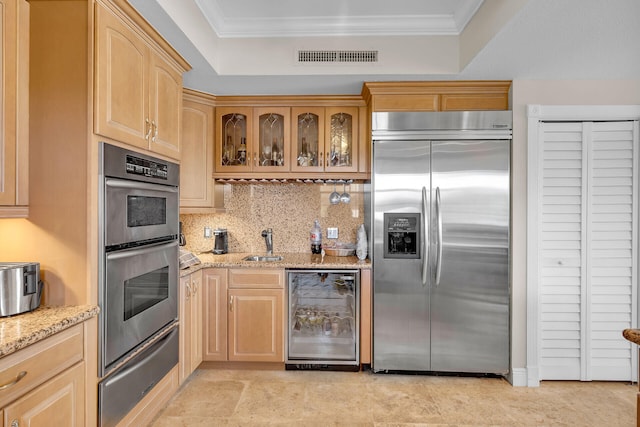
x: 632, y: 335
x: 17, y: 332
x: 290, y: 260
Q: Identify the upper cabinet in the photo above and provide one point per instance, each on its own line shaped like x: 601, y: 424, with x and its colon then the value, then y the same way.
x: 437, y: 95
x: 138, y: 97
x: 14, y: 114
x: 325, y: 139
x: 198, y: 192
x: 294, y: 141
x: 233, y: 142
x: 252, y: 140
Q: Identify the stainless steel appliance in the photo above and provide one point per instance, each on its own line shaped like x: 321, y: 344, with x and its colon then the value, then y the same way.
x: 20, y: 287
x: 440, y: 213
x: 138, y: 279
x: 323, y: 319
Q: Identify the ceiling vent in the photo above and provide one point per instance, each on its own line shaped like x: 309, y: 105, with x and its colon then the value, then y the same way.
x: 351, y: 56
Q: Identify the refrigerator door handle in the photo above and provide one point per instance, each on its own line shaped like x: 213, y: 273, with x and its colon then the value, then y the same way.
x: 439, y: 237
x: 425, y: 240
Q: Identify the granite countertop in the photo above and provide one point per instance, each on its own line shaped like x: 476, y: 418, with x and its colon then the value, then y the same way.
x: 22, y: 330
x: 290, y: 260
x: 632, y: 335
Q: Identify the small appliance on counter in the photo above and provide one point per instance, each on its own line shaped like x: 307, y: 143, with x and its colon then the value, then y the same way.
x: 20, y: 287
x: 221, y: 245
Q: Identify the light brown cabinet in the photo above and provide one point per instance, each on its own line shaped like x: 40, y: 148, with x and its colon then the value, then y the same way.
x: 138, y: 96
x: 437, y: 95
x: 255, y: 325
x: 253, y: 307
x: 269, y: 140
x: 234, y: 144
x: 325, y: 139
x: 45, y: 382
x: 14, y: 95
x: 58, y: 402
x: 190, y: 314
x: 252, y: 140
x: 214, y: 291
x: 198, y: 191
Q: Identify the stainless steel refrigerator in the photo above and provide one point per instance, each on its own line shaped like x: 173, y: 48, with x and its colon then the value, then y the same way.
x: 440, y: 218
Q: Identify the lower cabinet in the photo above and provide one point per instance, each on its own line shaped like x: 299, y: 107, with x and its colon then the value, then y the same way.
x: 214, y: 293
x: 255, y: 325
x: 58, y: 402
x: 244, y: 314
x: 190, y: 324
x: 44, y: 384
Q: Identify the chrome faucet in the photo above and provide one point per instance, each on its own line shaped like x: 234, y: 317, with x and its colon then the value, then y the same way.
x: 268, y: 239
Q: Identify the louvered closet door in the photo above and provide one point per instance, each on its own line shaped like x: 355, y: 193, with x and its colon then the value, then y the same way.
x: 588, y: 249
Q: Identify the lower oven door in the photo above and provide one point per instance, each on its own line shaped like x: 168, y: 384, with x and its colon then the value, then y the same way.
x: 140, y: 297
x: 121, y: 391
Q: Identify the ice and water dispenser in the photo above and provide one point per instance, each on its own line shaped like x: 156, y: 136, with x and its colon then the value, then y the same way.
x: 402, y: 235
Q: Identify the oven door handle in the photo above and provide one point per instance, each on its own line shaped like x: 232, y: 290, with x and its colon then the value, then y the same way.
x: 135, y: 185
x: 141, y: 251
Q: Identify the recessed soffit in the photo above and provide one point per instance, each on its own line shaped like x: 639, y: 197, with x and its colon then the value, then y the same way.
x: 303, y: 18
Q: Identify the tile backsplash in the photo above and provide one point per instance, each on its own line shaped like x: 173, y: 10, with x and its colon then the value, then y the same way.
x: 287, y: 208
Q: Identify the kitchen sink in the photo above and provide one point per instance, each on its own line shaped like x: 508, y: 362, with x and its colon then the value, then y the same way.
x: 263, y: 258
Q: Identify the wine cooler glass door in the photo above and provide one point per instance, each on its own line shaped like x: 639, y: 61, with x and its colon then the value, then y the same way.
x: 323, y: 317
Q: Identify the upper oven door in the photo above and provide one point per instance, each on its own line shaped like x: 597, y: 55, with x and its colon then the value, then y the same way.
x: 138, y: 211
x: 140, y: 296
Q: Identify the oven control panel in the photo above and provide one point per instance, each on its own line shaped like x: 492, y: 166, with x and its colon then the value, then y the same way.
x: 138, y: 166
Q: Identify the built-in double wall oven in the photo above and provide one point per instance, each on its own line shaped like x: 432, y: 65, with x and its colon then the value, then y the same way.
x: 138, y: 277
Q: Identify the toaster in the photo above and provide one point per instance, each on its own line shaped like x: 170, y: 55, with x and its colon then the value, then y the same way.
x: 20, y: 287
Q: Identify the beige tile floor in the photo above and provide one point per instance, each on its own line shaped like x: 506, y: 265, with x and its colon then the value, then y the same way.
x: 310, y: 398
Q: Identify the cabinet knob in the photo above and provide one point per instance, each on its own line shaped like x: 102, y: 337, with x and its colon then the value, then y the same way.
x: 188, y: 291
x: 231, y: 303
x: 320, y: 159
x: 15, y: 423
x: 194, y: 287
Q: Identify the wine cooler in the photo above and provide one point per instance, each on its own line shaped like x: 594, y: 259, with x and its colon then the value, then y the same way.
x: 323, y: 319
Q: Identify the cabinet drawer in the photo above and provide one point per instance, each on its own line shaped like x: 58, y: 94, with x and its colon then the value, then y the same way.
x: 268, y: 278
x: 40, y: 362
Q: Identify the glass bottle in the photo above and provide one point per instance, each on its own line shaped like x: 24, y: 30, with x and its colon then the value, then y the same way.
x: 242, y: 151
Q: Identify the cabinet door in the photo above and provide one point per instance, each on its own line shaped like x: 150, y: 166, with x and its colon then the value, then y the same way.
x: 233, y: 143
x: 195, y: 350
x: 196, y: 164
x: 165, y: 103
x: 185, y: 328
x: 14, y: 96
x: 58, y: 402
x: 214, y: 294
x: 307, y: 139
x: 272, y: 130
x: 256, y: 325
x: 122, y: 99
x: 341, y: 142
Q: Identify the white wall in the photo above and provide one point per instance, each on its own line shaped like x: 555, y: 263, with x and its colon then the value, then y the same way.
x: 545, y: 92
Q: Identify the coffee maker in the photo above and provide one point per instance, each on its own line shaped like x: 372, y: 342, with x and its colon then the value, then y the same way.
x: 221, y: 244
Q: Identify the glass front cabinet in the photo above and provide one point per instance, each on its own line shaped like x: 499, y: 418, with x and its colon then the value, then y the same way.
x: 272, y: 127
x: 260, y: 140
x: 234, y: 144
x: 325, y: 139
